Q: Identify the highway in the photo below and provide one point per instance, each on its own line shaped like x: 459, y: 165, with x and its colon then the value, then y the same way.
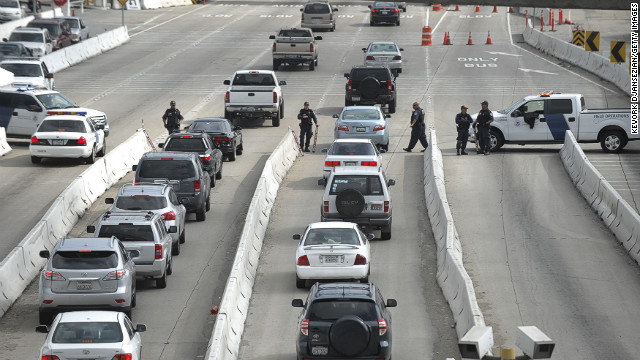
x: 537, y: 253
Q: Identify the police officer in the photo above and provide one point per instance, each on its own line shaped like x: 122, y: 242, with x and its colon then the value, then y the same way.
x: 483, y: 121
x: 417, y: 129
x: 463, y: 121
x: 307, y: 119
x: 172, y: 118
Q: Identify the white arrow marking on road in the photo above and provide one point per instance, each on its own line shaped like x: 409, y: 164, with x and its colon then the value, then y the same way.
x: 502, y: 53
x: 537, y: 71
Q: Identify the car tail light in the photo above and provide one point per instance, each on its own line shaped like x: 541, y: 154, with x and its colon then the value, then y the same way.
x: 374, y: 10
x: 275, y: 97
x: 49, y: 357
x: 370, y: 57
x: 303, y: 261
x: 226, y: 97
x: 186, y: 137
x: 166, y: 158
x: 331, y: 17
x: 115, y: 275
x: 169, y: 216
x: 325, y: 206
x: 273, y: 49
x: 120, y: 301
x: 53, y: 276
x: 360, y: 260
x: 369, y: 163
x: 386, y: 206
x: 48, y: 302
x: 311, y: 48
x: 398, y: 57
x: 304, y: 327
x: 389, y: 85
x: 35, y: 141
x: 379, y: 127
x: 82, y: 141
x: 122, y: 357
x: 196, y: 186
x: 158, y: 251
x: 221, y: 138
x: 382, y: 327
x: 394, y: 10
x: 332, y: 163
x: 350, y: 85
x: 302, y: 19
x: 343, y: 128
x: 205, y: 158
x: 136, y: 182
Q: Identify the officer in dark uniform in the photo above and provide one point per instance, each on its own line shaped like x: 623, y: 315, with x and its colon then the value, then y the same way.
x: 483, y: 121
x: 418, y: 128
x: 172, y: 118
x: 463, y: 121
x: 307, y: 119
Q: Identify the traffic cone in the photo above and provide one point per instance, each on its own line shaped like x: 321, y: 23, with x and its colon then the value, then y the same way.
x: 457, y: 8
x: 510, y: 9
x: 426, y: 36
x: 489, y: 38
x: 495, y: 9
x: 470, y: 42
x: 448, y: 39
x: 477, y: 8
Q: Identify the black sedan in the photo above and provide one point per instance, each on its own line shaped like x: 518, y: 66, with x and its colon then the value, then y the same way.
x: 224, y: 135
x: 384, y: 12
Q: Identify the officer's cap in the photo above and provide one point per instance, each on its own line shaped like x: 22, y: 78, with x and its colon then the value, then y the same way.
x: 306, y: 103
x: 172, y: 102
x: 484, y: 103
x: 463, y: 107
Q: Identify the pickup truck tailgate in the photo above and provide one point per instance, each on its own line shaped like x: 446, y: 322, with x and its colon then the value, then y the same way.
x: 251, y: 95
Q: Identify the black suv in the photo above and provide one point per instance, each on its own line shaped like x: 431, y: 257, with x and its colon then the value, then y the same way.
x: 224, y: 135
x: 370, y: 85
x: 183, y: 170
x: 344, y: 320
x: 200, y: 143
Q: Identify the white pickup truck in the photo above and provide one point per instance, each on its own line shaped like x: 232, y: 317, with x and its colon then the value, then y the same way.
x: 254, y: 94
x: 295, y: 46
x: 544, y: 119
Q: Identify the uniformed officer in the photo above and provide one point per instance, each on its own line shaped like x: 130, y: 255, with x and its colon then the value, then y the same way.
x: 483, y: 121
x: 463, y: 121
x: 418, y: 128
x: 307, y: 119
x: 172, y: 118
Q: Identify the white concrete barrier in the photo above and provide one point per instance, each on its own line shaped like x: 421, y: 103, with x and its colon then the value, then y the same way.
x: 229, y: 326
x: 23, y: 264
x: 4, y: 145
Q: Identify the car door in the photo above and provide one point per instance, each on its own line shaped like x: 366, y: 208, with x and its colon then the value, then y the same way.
x: 26, y: 115
x: 84, y: 30
x: 94, y: 136
x: 180, y: 209
x: 520, y: 130
x: 560, y: 117
x: 48, y: 76
x: 135, y: 344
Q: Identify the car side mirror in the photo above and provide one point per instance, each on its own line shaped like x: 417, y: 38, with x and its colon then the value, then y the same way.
x: 391, y: 182
x: 134, y: 167
x: 227, y: 82
x: 44, y: 254
x: 392, y: 303
x: 141, y: 328
x: 387, y: 116
x: 296, y: 237
x: 173, y: 229
x: 346, y: 75
x: 324, y: 150
x: 401, y: 49
x: 161, y: 145
x: 109, y: 201
x: 516, y: 113
x: 91, y: 229
x: 335, y: 9
x: 335, y: 116
x: 272, y: 37
x: 282, y: 82
x: 364, y: 49
x: 318, y: 37
x: 237, y: 128
x: 322, y: 182
x: 369, y: 6
x: 4, y: 39
x: 34, y: 108
x: 43, y: 329
x: 370, y: 236
x: 297, y: 303
x: 48, y: 75
x: 383, y: 151
x: 301, y: 9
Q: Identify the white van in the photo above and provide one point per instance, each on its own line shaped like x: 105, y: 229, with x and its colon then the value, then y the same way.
x: 22, y: 110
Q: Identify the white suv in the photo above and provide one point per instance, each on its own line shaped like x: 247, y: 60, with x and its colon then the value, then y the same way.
x: 28, y: 73
x: 39, y: 41
x: 359, y: 195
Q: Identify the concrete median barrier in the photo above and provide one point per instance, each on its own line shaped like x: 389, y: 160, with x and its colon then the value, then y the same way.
x: 4, y: 145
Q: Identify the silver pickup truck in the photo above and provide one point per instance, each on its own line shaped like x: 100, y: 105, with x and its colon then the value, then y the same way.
x: 295, y: 46
x: 254, y: 94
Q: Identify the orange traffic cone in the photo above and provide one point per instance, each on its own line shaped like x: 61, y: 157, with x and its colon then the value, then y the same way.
x: 457, y: 8
x: 489, y: 38
x: 495, y: 9
x: 477, y: 8
x: 470, y: 42
x: 448, y: 39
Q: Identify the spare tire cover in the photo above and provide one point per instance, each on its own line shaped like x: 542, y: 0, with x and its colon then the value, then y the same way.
x: 349, y: 335
x: 369, y: 87
x: 350, y: 202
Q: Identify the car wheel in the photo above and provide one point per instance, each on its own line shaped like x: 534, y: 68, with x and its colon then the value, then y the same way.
x: 35, y: 160
x: 350, y: 202
x: 161, y: 282
x: 103, y: 151
x: 276, y: 65
x: 398, y: 22
x: 134, y: 298
x: 392, y: 107
x: 365, y: 279
x: 612, y: 141
x: 213, y: 180
x: 128, y: 313
x: 300, y: 283
x: 232, y: 155
x: 349, y: 335
x: 316, y: 61
x: 92, y: 158
x: 170, y: 267
x: 207, y: 206
x: 183, y: 236
x: 385, y: 234
x: 219, y: 173
x: 275, y: 121
x: 175, y: 248
x: 371, y: 23
x: 227, y: 115
x: 496, y: 139
x: 281, y: 111
x: 333, y: 28
x: 239, y: 150
x: 312, y: 66
x: 201, y: 215
x: 46, y: 318
x: 385, y: 147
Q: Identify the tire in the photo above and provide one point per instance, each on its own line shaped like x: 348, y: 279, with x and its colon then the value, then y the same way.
x: 350, y: 202
x: 275, y: 121
x: 35, y: 160
x: 348, y: 103
x: 201, y: 215
x: 232, y: 155
x: 349, y: 335
x: 496, y: 139
x: 175, y: 248
x: 312, y: 65
x: 183, y: 236
x: 227, y: 115
x: 612, y: 141
x: 103, y: 151
x: 219, y: 173
x: 161, y: 282
x: 281, y: 111
x: 365, y: 279
x: 371, y: 23
x: 134, y: 298
x: 316, y: 61
x: 385, y: 147
x: 276, y: 64
x: 170, y: 267
x: 207, y: 207
x: 239, y: 150
x: 398, y: 22
x: 385, y: 234
x: 92, y: 158
x: 392, y: 107
x: 333, y: 28
x: 369, y: 87
x: 213, y: 180
x: 46, y: 318
x: 300, y: 283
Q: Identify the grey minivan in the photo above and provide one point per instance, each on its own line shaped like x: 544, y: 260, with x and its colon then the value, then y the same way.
x: 318, y: 15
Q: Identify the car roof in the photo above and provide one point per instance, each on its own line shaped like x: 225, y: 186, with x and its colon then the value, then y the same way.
x: 383, y: 42
x: 128, y: 216
x: 76, y: 244
x: 211, y: 119
x: 354, y: 140
x: 361, y: 107
x: 146, y: 189
x: 356, y: 170
x: 46, y: 21
x: 28, y: 91
x: 29, y: 29
x: 89, y: 316
x: 175, y: 155
x: 333, y: 225
x: 65, y: 117
x: 344, y: 290
x: 21, y: 60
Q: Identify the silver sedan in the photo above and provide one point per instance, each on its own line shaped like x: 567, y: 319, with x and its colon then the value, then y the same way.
x: 384, y: 53
x: 363, y: 122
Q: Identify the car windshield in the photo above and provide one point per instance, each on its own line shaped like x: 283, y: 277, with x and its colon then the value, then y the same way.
x: 54, y: 29
x: 345, y: 148
x: 383, y: 48
x: 73, y: 23
x: 365, y: 184
x: 254, y: 79
x: 512, y: 107
x: 87, y: 332
x: 323, y: 310
x: 85, y: 259
x: 361, y: 114
x: 55, y: 101
x: 23, y: 70
x: 381, y: 74
x: 62, y: 126
x: 10, y: 49
x: 167, y: 169
x: 316, y: 9
x: 211, y: 126
x: 27, y: 37
x: 331, y: 237
x: 127, y: 232
x: 141, y: 202
x: 185, y: 144
x: 382, y: 4
x: 9, y: 4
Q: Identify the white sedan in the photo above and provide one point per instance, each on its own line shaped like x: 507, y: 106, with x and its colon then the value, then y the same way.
x: 384, y: 53
x: 67, y: 136
x: 332, y: 250
x: 351, y: 152
x: 92, y: 334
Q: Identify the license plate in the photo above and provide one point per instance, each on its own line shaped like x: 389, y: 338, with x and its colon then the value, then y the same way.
x: 361, y: 129
x: 355, y: 98
x: 292, y: 57
x: 330, y: 259
x: 58, y: 142
x: 319, y: 350
x: 376, y: 206
x: 385, y: 12
x: 349, y: 163
x: 83, y: 285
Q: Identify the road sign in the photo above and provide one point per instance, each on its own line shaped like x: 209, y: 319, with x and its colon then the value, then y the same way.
x: 59, y: 2
x: 122, y: 2
x: 578, y: 38
x: 593, y: 41
x: 618, y: 51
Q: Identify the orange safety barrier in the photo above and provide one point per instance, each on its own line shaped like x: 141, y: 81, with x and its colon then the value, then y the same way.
x: 477, y: 8
x: 437, y: 7
x: 426, y: 36
x: 510, y: 9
